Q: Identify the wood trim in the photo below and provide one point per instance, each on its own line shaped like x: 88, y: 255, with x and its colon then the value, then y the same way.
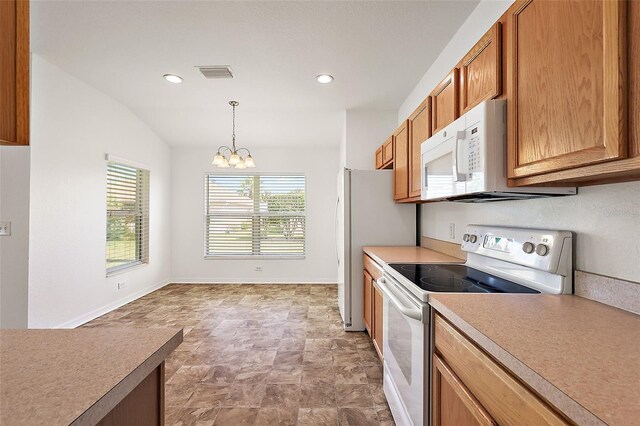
x: 614, y: 98
x: 443, y: 372
x: 22, y: 71
x: 624, y: 170
x: 486, y: 379
x: 446, y: 247
x: 491, y: 39
x: 615, y: 78
x: 372, y: 267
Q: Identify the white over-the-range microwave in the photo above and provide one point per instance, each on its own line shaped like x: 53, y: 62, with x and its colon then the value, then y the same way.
x: 466, y: 161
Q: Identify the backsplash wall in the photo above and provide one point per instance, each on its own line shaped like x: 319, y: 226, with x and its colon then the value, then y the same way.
x: 605, y: 219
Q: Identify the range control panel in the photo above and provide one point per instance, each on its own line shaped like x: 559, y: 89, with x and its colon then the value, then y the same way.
x: 536, y: 248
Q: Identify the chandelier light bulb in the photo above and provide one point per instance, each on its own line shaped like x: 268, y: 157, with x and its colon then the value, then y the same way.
x: 249, y: 161
x: 241, y: 164
x: 217, y: 159
x: 224, y: 164
x: 234, y: 159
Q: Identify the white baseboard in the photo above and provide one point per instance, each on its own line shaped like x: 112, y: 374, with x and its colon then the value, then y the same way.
x: 111, y: 306
x: 210, y: 281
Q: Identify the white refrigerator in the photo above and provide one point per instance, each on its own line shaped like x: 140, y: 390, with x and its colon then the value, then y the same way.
x: 366, y: 215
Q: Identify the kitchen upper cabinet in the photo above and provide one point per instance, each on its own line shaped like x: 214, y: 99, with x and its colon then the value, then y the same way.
x: 453, y: 403
x: 419, y: 131
x: 14, y: 72
x: 480, y: 70
x: 401, y: 162
x: 368, y: 301
x: 444, y: 102
x: 384, y: 155
x: 469, y: 387
x: 567, y: 72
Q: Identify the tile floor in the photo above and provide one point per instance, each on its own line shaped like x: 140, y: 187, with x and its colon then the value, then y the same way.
x: 261, y: 355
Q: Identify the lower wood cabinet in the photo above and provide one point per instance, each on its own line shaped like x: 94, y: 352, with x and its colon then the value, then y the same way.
x: 377, y: 320
x: 373, y: 303
x: 470, y: 388
x: 144, y: 405
x: 453, y: 403
x: 368, y: 306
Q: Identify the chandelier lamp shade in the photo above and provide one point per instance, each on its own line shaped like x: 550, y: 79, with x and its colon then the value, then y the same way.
x: 235, y: 159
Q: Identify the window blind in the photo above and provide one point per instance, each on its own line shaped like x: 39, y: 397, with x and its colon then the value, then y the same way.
x: 255, y: 215
x: 127, y: 217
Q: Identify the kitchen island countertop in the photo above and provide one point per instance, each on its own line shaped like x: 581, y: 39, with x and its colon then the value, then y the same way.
x: 61, y: 377
x: 582, y: 356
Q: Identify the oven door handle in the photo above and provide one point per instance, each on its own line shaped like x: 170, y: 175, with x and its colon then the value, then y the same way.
x: 409, y: 308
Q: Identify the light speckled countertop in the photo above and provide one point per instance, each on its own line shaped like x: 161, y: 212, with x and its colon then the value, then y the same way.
x: 407, y: 254
x: 59, y: 377
x: 583, y: 357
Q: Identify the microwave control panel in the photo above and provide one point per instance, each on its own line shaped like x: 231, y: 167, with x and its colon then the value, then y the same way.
x: 474, y: 150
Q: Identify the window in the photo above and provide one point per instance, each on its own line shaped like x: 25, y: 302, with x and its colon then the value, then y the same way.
x: 254, y: 215
x: 127, y: 217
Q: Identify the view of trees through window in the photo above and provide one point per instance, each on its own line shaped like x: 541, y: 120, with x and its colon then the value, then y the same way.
x: 262, y: 215
x: 127, y: 216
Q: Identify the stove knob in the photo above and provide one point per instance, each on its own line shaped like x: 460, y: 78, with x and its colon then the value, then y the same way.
x: 465, y: 237
x: 528, y: 247
x: 542, y: 249
x: 473, y: 239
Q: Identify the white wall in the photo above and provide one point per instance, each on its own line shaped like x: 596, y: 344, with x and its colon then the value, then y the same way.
x: 188, y: 264
x: 14, y: 249
x: 606, y: 218
x: 479, y: 21
x: 72, y: 126
x: 364, y: 132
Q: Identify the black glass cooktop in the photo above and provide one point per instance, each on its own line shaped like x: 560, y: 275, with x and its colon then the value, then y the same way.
x: 455, y: 278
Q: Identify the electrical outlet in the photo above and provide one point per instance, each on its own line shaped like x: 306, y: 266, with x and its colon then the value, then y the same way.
x: 121, y: 285
x: 5, y: 228
x: 452, y: 231
x: 259, y: 268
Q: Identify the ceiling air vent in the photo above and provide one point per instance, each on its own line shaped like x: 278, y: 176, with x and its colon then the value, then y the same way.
x: 216, y: 71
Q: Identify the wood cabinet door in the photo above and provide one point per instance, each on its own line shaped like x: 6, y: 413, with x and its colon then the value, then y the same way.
x: 368, y: 301
x: 379, y: 161
x: 444, y: 102
x: 419, y: 131
x: 387, y: 151
x: 453, y: 403
x: 401, y: 162
x: 480, y: 70
x: 377, y: 321
x: 567, y: 85
x: 14, y: 72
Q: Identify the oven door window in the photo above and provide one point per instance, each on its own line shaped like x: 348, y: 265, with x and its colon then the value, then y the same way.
x: 400, y: 341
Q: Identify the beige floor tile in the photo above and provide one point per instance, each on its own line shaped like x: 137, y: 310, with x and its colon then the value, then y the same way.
x: 317, y: 417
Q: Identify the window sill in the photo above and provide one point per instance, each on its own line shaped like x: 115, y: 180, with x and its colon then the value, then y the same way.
x: 127, y: 268
x: 253, y: 257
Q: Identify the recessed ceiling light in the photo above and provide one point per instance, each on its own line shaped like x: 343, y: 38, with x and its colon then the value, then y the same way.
x: 324, y: 78
x: 173, y: 78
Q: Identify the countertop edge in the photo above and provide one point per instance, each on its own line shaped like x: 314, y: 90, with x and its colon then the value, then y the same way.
x: 374, y: 257
x: 108, y: 401
x: 569, y: 407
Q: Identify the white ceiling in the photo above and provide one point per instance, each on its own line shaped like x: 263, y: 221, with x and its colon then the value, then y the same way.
x: 377, y: 52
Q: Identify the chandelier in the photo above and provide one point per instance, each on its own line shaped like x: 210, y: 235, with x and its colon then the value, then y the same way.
x: 235, y: 159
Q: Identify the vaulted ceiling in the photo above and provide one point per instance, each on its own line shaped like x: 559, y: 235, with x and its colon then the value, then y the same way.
x: 377, y: 52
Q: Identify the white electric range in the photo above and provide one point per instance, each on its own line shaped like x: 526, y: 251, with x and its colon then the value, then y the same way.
x: 499, y: 260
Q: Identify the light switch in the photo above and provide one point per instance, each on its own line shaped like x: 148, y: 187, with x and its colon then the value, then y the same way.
x: 5, y: 228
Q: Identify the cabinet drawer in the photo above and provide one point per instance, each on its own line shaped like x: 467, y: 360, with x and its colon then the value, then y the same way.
x: 506, y: 399
x: 372, y: 267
